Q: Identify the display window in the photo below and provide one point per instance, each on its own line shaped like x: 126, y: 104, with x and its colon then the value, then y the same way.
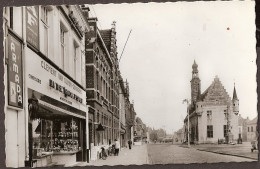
x: 57, y: 135
x: 52, y: 132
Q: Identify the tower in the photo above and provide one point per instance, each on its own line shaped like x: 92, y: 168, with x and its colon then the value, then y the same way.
x: 235, y: 101
x: 195, y: 84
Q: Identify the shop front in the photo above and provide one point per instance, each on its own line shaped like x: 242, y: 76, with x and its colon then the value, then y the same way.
x: 57, y: 114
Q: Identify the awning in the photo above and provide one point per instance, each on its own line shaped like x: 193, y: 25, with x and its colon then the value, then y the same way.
x: 58, y: 110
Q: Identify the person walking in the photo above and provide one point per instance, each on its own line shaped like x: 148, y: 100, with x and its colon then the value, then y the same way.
x: 117, y: 146
x: 129, y: 144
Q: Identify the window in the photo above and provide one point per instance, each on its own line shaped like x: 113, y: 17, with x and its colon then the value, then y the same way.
x: 11, y: 18
x: 44, y: 18
x: 248, y: 129
x: 98, y: 117
x: 209, y: 114
x: 62, y: 46
x: 97, y: 79
x: 210, y: 131
x: 225, y: 113
x: 225, y: 130
x: 252, y: 129
x: 75, y: 61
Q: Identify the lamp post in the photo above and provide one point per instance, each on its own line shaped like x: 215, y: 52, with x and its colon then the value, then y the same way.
x: 187, y: 101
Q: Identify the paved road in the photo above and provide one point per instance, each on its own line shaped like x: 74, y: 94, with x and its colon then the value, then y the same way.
x: 172, y: 154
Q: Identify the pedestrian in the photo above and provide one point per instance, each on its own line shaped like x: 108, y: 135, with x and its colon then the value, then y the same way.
x: 117, y: 146
x: 129, y: 144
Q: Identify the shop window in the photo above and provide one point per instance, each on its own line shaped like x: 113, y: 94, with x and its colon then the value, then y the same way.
x: 59, y: 134
x: 210, y: 131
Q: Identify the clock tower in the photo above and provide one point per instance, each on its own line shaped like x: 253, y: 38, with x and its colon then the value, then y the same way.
x: 195, y: 84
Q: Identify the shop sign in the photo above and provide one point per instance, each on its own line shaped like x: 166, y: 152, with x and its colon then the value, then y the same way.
x: 65, y: 91
x: 49, y: 81
x: 32, y: 25
x: 15, y: 73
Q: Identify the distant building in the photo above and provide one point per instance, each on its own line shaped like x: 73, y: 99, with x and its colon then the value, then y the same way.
x: 123, y: 95
x: 179, y: 135
x: 130, y: 117
x: 213, y: 114
x: 242, y: 127
x: 252, y: 131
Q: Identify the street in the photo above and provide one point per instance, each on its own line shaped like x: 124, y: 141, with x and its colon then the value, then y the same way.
x: 172, y: 154
x: 164, y: 154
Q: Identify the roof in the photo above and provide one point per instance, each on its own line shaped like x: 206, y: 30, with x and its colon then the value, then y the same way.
x: 254, y: 121
x: 106, y: 36
x: 195, y: 67
x: 242, y: 121
x: 215, y: 92
x: 203, y: 95
x: 235, y: 94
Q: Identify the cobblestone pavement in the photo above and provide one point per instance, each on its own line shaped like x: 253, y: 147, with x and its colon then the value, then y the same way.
x: 172, y: 154
x: 240, y: 150
x: 136, y: 156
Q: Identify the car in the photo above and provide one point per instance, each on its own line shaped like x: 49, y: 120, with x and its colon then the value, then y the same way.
x: 254, y: 145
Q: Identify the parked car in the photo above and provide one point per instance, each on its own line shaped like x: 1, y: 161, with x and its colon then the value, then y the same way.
x: 254, y: 145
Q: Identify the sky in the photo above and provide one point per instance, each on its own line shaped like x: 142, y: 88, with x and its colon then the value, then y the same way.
x: 165, y: 40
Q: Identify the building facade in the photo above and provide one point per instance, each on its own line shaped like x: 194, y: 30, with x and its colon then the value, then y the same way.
x: 242, y: 125
x: 102, y: 84
x: 213, y: 114
x: 130, y: 118
x: 123, y: 94
x: 45, y: 106
x: 252, y: 130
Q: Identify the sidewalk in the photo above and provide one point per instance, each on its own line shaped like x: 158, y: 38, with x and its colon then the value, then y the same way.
x: 239, y: 150
x: 136, y: 156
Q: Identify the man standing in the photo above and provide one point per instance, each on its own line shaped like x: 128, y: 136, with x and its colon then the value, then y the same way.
x: 117, y: 146
x: 129, y: 144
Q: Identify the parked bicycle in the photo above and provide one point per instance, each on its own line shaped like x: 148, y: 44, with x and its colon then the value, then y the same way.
x: 103, y: 153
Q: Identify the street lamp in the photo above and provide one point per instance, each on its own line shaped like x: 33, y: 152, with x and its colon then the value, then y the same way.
x: 187, y: 101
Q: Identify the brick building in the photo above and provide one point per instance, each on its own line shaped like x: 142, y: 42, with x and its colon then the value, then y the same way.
x: 102, y: 87
x: 213, y: 114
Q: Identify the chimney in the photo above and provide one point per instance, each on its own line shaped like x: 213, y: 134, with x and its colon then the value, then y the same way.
x: 93, y: 22
x: 85, y: 11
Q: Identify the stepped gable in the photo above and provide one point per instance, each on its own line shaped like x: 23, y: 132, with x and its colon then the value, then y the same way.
x: 203, y: 95
x: 106, y: 36
x: 216, y: 93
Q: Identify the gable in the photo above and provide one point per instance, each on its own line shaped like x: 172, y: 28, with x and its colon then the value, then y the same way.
x: 216, y: 93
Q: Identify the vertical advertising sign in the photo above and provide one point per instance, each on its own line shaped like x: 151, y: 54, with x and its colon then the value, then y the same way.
x: 15, y: 73
x: 32, y: 25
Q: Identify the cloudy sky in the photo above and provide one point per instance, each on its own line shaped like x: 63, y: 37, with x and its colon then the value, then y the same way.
x: 165, y: 40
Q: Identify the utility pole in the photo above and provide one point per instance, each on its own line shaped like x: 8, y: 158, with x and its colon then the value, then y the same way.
x: 187, y: 101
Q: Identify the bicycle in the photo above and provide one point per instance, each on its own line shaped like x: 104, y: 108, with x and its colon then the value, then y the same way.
x: 103, y: 153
